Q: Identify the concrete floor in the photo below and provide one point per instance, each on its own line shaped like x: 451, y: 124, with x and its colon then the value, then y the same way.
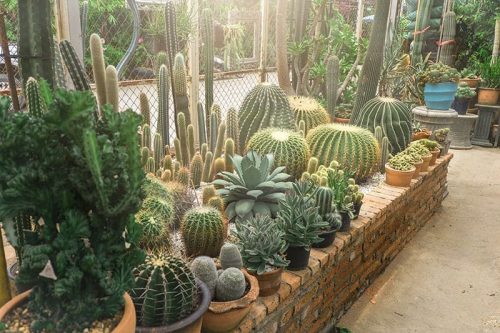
x: 447, y: 279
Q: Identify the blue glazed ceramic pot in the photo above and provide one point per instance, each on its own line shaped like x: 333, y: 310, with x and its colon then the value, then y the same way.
x: 439, y: 96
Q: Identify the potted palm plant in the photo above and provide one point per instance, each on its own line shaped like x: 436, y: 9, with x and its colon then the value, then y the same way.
x: 462, y: 98
x: 77, y: 173
x: 262, y: 247
x: 440, y: 83
x: 399, y: 170
x: 489, y: 89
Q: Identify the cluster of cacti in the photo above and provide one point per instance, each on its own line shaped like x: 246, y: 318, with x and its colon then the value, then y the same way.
x: 74, y: 66
x: 165, y: 291
x: 204, y: 268
x: 229, y: 147
x: 202, y: 231
x: 171, y: 38
x: 325, y: 200
x: 288, y: 148
x: 393, y: 116
x: 163, y: 126
x: 355, y: 148
x: 266, y: 105
x: 183, y: 200
x: 36, y: 104
x: 231, y: 285
x: 448, y: 39
x: 207, y: 30
x: 232, y: 131
x: 332, y: 82
x: 144, y: 108
x: 308, y: 110
x: 179, y: 88
x: 421, y: 23
x: 385, y: 150
x: 230, y: 256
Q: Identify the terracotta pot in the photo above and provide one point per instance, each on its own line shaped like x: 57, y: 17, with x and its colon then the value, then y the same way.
x: 190, y: 324
x: 126, y: 324
x: 226, y: 316
x: 398, y: 178
x: 425, y: 134
x: 488, y: 96
x: 418, y: 167
x: 427, y: 160
x: 341, y: 120
x: 269, y: 282
x: 472, y: 83
x: 435, y: 155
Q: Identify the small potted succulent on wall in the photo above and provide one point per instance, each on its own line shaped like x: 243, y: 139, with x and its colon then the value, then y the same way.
x: 262, y: 247
x: 489, y: 89
x: 399, y: 170
x: 416, y: 160
x: 422, y: 151
x: 325, y: 201
x: 441, y: 137
x: 469, y: 77
x: 462, y: 98
x: 299, y: 219
x: 440, y: 84
x: 419, y: 132
x: 433, y: 147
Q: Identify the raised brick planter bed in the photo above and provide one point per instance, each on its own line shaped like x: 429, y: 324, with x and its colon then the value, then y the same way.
x: 336, y: 276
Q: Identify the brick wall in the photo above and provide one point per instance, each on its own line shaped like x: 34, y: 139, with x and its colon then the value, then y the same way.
x: 336, y: 276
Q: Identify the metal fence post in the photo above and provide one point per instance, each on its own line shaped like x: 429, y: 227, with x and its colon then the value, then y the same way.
x: 194, y: 67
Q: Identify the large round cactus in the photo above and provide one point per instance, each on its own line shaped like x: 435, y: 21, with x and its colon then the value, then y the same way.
x: 266, y: 105
x: 355, y: 148
x: 393, y: 116
x: 308, y: 110
x: 203, y: 231
x: 165, y: 291
x: 289, y: 149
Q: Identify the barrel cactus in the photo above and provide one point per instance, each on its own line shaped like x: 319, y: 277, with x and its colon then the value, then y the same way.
x: 393, y: 116
x: 202, y: 231
x: 288, y: 148
x: 308, y: 110
x: 165, y: 291
x: 204, y: 268
x: 266, y: 105
x: 355, y: 148
x: 231, y: 285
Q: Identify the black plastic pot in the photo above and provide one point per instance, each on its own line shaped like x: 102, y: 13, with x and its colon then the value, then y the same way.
x: 357, y: 208
x: 460, y: 105
x: 346, y: 222
x: 327, y: 239
x: 298, y: 256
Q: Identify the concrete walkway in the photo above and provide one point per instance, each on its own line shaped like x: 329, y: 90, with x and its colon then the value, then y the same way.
x: 447, y: 279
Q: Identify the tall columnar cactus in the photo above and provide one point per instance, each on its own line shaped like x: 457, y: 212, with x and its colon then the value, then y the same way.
x: 355, y: 148
x: 289, y: 149
x: 203, y: 151
x: 393, y: 116
x: 112, y: 88
x: 421, y: 23
x: 98, y: 68
x: 146, y: 137
x: 161, y: 58
x: 228, y: 155
x: 175, y: 169
x: 182, y: 135
x: 178, y: 151
x: 232, y: 126
x: 219, y: 166
x: 372, y: 66
x: 202, y: 127
x: 35, y: 40
x: 332, y: 83
x: 179, y: 88
x: 265, y: 106
x: 183, y: 176
x: 57, y: 63
x: 158, y: 150
x: 190, y: 133
x: 214, y: 125
x: 36, y: 104
x: 220, y: 140
x: 207, y: 30
x: 171, y: 37
x: 144, y: 156
x: 384, y: 153
x: 163, y: 126
x: 150, y: 166
x: 204, y: 268
x: 144, y: 108
x: 196, y: 169
x: 202, y: 231
x: 207, y: 193
x: 230, y: 285
x: 207, y: 168
x: 168, y: 279
x: 308, y: 110
x: 448, y: 39
x: 74, y: 66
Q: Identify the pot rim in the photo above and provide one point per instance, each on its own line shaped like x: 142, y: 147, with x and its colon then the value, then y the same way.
x: 427, y: 157
x: 488, y: 88
x: 243, y: 302
x: 274, y: 271
x: 411, y: 171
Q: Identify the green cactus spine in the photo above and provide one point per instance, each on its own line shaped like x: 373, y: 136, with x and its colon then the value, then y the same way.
x: 220, y: 140
x: 190, y: 133
x: 449, y: 31
x: 202, y: 127
x: 393, y: 116
x: 207, y: 29
x: 332, y: 84
x: 207, y: 168
x: 158, y: 151
x: 384, y: 153
x: 288, y: 147
x: 74, y: 66
x: 265, y: 106
x: 163, y: 119
x: 230, y: 256
x: 204, y: 268
x: 145, y: 110
x: 150, y: 166
x: 230, y: 285
x: 196, y: 169
x: 36, y: 104
x: 112, y: 88
x: 165, y: 291
x: 146, y: 137
x: 183, y: 176
x: 421, y: 22
x: 232, y: 126
x: 214, y: 124
x: 183, y: 138
x: 355, y: 148
x: 308, y: 110
x: 98, y: 68
x: 207, y: 193
x: 179, y: 89
x: 228, y: 155
x: 202, y: 231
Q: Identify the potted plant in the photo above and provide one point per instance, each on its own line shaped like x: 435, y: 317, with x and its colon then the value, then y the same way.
x: 161, y: 282
x: 419, y: 132
x: 489, y: 89
x: 422, y: 151
x: 343, y: 113
x: 325, y: 201
x: 462, y: 98
x: 399, y: 170
x: 440, y: 84
x: 441, y: 137
x: 433, y: 147
x: 299, y: 219
x: 262, y: 247
x: 78, y: 174
x: 357, y: 197
x: 416, y: 160
x: 469, y: 77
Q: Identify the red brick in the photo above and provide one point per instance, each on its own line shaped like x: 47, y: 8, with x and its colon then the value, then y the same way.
x: 292, y: 280
x: 284, y: 291
x: 271, y: 302
x: 321, y: 256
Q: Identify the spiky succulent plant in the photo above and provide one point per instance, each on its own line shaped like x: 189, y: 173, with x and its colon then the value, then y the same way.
x: 254, y: 188
x: 202, y: 231
x: 308, y: 110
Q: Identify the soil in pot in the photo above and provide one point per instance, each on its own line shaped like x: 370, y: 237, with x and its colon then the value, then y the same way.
x: 298, y: 256
x: 418, y: 167
x: 327, y: 239
x: 398, y: 178
x: 346, y: 222
x: 427, y: 161
x: 435, y: 154
x: 269, y: 282
x: 488, y: 96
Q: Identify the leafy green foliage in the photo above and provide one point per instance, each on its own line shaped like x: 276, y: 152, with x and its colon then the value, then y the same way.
x: 490, y: 75
x: 80, y: 179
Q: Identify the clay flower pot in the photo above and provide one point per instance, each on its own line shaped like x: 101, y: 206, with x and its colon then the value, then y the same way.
x: 427, y: 161
x: 435, y: 154
x: 488, y: 96
x: 418, y: 167
x: 269, y: 282
x: 472, y: 83
x: 126, y: 324
x: 425, y: 134
x: 341, y: 120
x: 398, y: 178
x: 226, y: 316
